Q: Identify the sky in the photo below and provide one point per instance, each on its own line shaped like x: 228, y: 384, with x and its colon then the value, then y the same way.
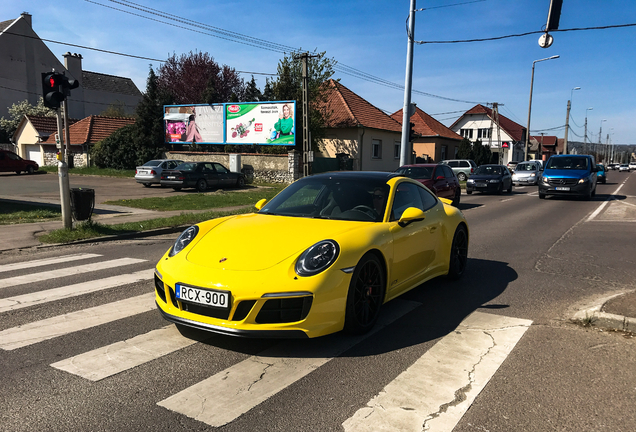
x: 371, y: 36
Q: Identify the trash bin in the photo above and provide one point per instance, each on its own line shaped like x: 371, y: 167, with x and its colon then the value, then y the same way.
x: 82, y: 203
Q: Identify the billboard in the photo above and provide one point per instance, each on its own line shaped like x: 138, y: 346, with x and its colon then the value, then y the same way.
x: 266, y: 123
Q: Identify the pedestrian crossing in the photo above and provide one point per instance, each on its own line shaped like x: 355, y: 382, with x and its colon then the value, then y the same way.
x: 435, y: 391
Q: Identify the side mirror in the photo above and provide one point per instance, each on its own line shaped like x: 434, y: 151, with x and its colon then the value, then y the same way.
x: 259, y: 205
x: 410, y: 215
x: 439, y: 178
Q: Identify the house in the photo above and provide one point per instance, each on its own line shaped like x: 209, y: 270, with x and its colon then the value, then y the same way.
x: 543, y: 146
x: 36, y: 137
x: 23, y: 59
x: 435, y: 142
x: 479, y: 123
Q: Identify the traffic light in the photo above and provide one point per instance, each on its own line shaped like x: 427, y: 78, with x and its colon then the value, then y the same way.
x: 411, y: 132
x: 52, y: 89
x: 68, y: 85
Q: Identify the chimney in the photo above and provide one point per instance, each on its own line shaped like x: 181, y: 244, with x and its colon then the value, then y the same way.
x: 73, y: 64
x: 27, y: 18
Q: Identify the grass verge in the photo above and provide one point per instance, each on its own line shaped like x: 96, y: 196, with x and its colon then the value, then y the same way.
x: 17, y: 213
x: 91, y: 229
x: 105, y: 172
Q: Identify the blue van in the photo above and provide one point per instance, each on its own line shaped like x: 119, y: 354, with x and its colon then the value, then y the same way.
x: 569, y: 175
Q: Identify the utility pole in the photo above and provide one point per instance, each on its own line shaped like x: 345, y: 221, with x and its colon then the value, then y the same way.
x: 405, y: 148
x: 308, y: 156
x: 585, y: 137
x: 495, y: 110
x: 567, y: 127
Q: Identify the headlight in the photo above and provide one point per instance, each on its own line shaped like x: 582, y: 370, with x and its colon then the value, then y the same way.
x: 317, y: 258
x: 544, y: 180
x: 533, y: 175
x: 470, y: 181
x: 494, y: 181
x: 583, y: 180
x: 184, y: 240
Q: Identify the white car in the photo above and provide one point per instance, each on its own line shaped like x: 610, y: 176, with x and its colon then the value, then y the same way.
x: 632, y: 166
x: 150, y: 172
x: 623, y: 167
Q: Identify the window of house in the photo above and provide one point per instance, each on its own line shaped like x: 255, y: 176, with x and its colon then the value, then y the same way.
x: 376, y: 149
x: 466, y: 133
x: 396, y: 150
x: 444, y: 151
x: 484, y: 133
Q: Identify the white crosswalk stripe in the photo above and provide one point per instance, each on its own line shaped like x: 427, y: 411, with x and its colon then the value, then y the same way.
x: 69, y: 271
x: 39, y: 297
x: 118, y: 357
x: 46, y: 261
x: 39, y: 331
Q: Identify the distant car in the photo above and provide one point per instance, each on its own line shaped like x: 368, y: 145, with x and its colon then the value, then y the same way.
x: 623, y: 167
x: 463, y: 168
x: 201, y: 176
x: 439, y: 178
x: 512, y: 165
x: 11, y: 162
x: 601, y: 174
x: 150, y: 172
x: 490, y: 178
x: 526, y: 173
x: 613, y: 166
x: 632, y: 166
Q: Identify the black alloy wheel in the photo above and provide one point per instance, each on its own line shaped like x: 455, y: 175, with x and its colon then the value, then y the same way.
x: 365, y: 296
x: 500, y: 188
x: 202, y: 185
x: 240, y: 182
x: 30, y: 169
x: 458, y: 254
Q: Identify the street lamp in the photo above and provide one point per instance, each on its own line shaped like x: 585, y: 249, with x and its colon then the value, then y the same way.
x: 585, y: 132
x: 525, y: 153
x: 567, y: 122
x: 600, y: 131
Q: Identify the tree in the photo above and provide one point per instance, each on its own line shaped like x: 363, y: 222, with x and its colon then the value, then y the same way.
x: 465, y: 150
x: 190, y: 79
x: 116, y: 109
x: 481, y: 153
x: 16, y: 112
x: 288, y: 86
x: 252, y: 93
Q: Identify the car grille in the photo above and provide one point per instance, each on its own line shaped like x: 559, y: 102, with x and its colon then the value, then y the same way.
x: 159, y: 288
x: 284, y: 310
x: 206, y: 311
x: 242, y: 309
x: 562, y: 181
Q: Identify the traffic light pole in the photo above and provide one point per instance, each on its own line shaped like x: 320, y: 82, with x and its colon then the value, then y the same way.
x: 62, y: 172
x: 405, y: 148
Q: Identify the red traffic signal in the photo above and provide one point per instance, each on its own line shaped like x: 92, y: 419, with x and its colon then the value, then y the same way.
x: 52, y: 90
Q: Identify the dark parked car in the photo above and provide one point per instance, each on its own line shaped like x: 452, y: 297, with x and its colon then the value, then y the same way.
x: 439, y: 178
x: 490, y: 178
x: 11, y: 162
x: 201, y: 176
x: 569, y: 175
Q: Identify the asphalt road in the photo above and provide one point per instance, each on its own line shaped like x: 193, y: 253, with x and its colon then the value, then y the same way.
x: 532, y: 263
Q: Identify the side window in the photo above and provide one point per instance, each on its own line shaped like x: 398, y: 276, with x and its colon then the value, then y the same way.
x: 464, y: 164
x: 407, y: 195
x: 220, y: 168
x: 428, y: 199
x: 453, y: 164
x: 448, y: 173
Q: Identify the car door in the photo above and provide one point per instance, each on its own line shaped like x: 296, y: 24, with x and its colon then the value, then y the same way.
x: 210, y: 175
x: 414, y: 245
x: 440, y: 182
x: 223, y: 175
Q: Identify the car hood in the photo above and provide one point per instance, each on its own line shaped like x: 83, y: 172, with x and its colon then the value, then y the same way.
x: 568, y: 173
x: 525, y: 173
x: 256, y: 242
x: 485, y: 177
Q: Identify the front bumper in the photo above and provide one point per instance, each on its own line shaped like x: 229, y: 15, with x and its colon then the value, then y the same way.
x: 519, y: 181
x: 576, y: 189
x: 483, y: 187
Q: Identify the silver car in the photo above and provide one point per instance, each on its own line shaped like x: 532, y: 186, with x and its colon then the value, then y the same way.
x: 150, y: 172
x: 526, y: 173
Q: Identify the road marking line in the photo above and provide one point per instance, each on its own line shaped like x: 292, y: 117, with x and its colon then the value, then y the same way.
x: 604, y: 203
x: 27, y: 300
x: 45, y: 261
x: 120, y: 356
x: 436, y: 391
x: 50, y: 328
x: 69, y: 271
x: 232, y: 392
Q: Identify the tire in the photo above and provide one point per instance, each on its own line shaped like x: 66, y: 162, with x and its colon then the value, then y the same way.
x: 18, y: 172
x: 458, y: 254
x: 510, y: 188
x: 461, y: 176
x: 541, y: 195
x: 147, y: 184
x: 177, y: 188
x: 365, y: 295
x: 500, y: 189
x: 468, y: 192
x: 458, y: 194
x: 240, y: 182
x: 202, y: 185
x: 594, y: 192
x: 30, y: 169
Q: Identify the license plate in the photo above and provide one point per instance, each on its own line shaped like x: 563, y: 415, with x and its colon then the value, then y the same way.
x: 143, y: 172
x: 562, y: 188
x: 220, y: 299
x: 171, y: 177
x: 480, y: 184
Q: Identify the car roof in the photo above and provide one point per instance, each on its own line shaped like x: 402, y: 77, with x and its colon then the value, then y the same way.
x: 353, y: 175
x: 427, y: 165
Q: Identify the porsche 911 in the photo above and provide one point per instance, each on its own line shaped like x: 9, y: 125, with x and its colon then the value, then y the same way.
x: 322, y: 256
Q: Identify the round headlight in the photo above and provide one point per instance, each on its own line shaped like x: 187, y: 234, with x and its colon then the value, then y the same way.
x: 494, y: 181
x: 317, y: 258
x: 184, y: 240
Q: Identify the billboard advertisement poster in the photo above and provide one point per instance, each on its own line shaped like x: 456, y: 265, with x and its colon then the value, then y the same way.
x: 199, y: 123
x: 270, y: 123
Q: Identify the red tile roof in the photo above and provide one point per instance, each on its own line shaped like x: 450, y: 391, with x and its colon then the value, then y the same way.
x: 44, y: 124
x: 350, y: 110
x: 547, y: 139
x: 515, y: 130
x: 426, y: 125
x: 93, y: 129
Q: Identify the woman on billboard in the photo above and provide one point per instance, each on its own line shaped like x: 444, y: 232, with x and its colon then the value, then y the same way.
x: 285, y: 123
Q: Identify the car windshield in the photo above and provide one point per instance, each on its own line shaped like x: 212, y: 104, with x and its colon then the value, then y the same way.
x: 526, y: 167
x: 187, y: 166
x: 488, y: 170
x: 416, y: 172
x: 327, y: 197
x: 153, y: 163
x: 568, y: 163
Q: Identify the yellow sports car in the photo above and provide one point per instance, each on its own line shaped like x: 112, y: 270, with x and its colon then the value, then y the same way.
x: 322, y: 256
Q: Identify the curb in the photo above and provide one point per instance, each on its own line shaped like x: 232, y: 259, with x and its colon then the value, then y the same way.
x: 594, y: 317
